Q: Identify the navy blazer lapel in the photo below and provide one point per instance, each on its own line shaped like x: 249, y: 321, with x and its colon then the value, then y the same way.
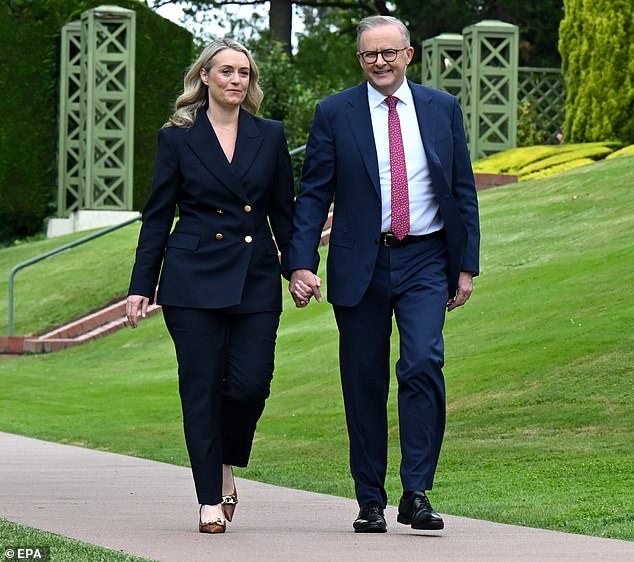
x: 361, y: 125
x: 426, y: 122
x: 204, y: 143
x: 247, y: 145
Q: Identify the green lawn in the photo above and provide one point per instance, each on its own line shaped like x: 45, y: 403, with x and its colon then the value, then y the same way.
x: 69, y: 284
x: 539, y: 372
x: 60, y: 549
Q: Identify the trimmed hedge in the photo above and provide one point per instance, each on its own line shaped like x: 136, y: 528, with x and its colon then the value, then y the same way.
x: 30, y: 32
x: 557, y: 169
x: 625, y: 151
x: 543, y: 160
x: 589, y: 151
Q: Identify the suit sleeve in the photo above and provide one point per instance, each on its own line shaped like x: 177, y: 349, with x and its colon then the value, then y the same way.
x: 281, y: 202
x: 315, y: 196
x: 464, y: 192
x: 157, y: 217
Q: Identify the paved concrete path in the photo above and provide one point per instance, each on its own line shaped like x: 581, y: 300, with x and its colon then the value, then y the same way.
x: 148, y: 508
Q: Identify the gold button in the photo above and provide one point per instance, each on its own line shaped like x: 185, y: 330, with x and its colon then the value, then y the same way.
x: 219, y: 211
x: 247, y: 208
x: 248, y: 239
x: 219, y: 236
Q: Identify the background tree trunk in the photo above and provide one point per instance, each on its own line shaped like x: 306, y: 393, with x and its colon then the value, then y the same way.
x: 280, y: 21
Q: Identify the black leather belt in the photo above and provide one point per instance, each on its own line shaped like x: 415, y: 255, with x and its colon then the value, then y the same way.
x: 389, y: 239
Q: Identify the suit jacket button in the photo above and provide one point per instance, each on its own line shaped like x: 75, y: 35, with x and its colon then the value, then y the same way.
x: 219, y: 236
x: 248, y: 239
x: 247, y: 208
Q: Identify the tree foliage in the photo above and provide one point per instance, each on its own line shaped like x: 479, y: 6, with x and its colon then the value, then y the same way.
x: 538, y: 20
x: 598, y: 65
x: 325, y: 62
x: 279, y: 25
x: 326, y: 49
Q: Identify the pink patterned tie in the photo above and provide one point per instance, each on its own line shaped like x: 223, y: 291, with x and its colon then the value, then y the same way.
x: 398, y: 170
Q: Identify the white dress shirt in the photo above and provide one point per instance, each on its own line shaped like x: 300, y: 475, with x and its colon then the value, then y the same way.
x: 423, y: 207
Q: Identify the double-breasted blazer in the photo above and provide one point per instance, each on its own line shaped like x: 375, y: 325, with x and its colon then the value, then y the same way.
x: 221, y: 252
x: 341, y: 164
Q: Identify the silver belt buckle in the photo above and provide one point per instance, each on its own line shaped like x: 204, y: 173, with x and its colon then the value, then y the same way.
x: 389, y: 237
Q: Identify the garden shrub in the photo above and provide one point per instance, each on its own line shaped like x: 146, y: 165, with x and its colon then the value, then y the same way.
x: 552, y: 170
x: 595, y: 41
x: 625, y: 151
x: 540, y: 161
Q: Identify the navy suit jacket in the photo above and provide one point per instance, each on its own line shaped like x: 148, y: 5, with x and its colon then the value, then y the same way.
x: 221, y: 253
x: 341, y: 164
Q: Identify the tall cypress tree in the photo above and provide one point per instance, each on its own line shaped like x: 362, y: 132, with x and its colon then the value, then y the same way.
x: 597, y: 49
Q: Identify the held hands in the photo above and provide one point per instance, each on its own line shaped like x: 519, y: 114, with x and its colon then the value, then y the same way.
x: 465, y: 288
x: 303, y: 285
x: 136, y: 308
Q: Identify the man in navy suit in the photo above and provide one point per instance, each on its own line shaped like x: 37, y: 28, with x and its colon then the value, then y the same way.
x: 404, y: 242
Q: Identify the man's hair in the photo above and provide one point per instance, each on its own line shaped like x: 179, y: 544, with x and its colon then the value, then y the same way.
x: 375, y: 21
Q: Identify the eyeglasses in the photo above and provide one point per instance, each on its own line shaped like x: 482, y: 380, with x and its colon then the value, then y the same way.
x: 389, y: 55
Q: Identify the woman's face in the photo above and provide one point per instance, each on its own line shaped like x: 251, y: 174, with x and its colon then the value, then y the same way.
x: 228, y: 78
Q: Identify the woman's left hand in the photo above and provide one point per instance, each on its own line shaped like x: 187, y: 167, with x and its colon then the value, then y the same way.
x: 135, y: 308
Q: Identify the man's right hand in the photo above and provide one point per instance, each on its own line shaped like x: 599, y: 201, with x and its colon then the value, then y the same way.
x: 303, y: 285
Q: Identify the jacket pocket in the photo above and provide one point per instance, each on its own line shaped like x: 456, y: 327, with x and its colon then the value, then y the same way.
x: 183, y: 241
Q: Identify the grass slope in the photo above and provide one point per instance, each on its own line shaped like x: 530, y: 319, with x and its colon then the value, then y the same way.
x: 69, y: 284
x: 539, y: 374
x: 60, y: 549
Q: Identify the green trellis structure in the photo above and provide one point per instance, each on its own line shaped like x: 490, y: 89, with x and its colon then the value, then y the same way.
x: 544, y: 89
x: 96, y: 122
x: 490, y: 86
x: 481, y: 68
x: 442, y: 63
x: 70, y: 153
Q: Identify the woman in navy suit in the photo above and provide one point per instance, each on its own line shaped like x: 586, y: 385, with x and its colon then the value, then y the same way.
x: 229, y: 174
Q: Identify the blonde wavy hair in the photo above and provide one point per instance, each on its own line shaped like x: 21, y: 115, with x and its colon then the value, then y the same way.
x: 195, y: 96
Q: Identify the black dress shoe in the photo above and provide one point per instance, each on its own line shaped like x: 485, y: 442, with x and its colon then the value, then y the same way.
x: 370, y: 520
x: 415, y: 510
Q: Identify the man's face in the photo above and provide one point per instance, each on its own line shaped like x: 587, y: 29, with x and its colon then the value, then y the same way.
x: 386, y: 77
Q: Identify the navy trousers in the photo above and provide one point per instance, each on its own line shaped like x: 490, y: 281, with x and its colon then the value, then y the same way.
x: 225, y: 367
x: 409, y: 282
